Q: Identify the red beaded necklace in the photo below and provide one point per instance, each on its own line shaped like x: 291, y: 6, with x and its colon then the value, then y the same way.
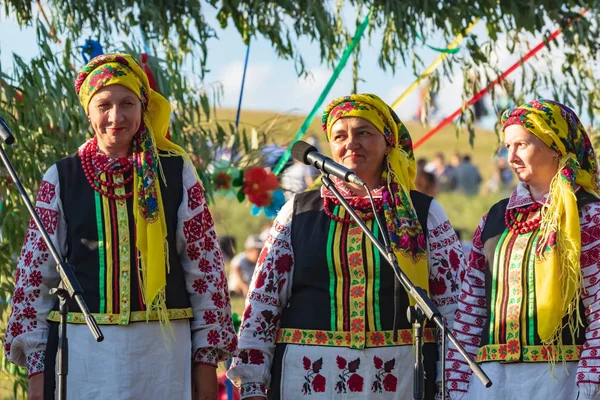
x: 358, y: 203
x: 94, y: 164
x: 526, y: 225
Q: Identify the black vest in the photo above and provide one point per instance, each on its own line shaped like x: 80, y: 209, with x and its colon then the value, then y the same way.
x: 78, y: 201
x: 490, y: 236
x: 309, y: 306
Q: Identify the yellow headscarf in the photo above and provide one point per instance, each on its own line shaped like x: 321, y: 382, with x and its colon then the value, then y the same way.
x: 558, y: 277
x: 404, y: 230
x: 149, y: 217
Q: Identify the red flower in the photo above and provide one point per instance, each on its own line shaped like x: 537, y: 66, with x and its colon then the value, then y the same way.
x: 42, y: 246
x: 513, y: 347
x: 204, y: 266
x: 357, y: 325
x: 222, y: 181
x: 406, y: 336
x: 357, y: 291
x: 16, y: 329
x: 193, y: 252
x: 306, y: 363
x: 390, y: 382
x: 321, y: 337
x: 377, y: 338
x: 296, y: 336
x: 35, y: 278
x: 454, y: 259
x: 29, y: 312
x: 218, y: 300
x: 378, y: 362
x: 256, y: 357
x: 257, y: 185
x: 318, y: 383
x: 210, y: 317
x: 354, y: 260
x: 213, y: 338
x: 438, y: 286
x: 28, y: 258
x: 284, y: 263
x: 18, y: 296
x: 341, y: 362
x: 355, y: 383
x: 200, y: 286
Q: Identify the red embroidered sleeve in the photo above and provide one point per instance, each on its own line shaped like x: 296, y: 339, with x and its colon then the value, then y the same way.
x: 469, y: 319
x: 588, y: 371
x: 213, y: 335
x: 269, y: 292
x: 27, y: 329
x: 447, y: 262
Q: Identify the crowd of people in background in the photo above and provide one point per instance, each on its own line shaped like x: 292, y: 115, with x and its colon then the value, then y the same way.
x: 460, y: 175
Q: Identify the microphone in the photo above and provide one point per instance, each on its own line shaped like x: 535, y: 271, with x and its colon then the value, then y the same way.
x: 309, y: 155
x: 5, y: 134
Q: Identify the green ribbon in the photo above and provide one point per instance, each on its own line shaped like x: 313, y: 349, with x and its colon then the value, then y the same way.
x: 440, y: 50
x: 336, y: 73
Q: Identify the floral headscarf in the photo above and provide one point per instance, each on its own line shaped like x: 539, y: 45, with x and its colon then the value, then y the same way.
x: 150, y: 225
x: 404, y: 230
x: 558, y: 276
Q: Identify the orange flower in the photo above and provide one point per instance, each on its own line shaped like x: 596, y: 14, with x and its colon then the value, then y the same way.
x: 222, y: 181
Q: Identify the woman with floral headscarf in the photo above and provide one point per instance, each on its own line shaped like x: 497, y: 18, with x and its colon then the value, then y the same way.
x: 128, y: 211
x: 529, y: 305
x: 324, y: 316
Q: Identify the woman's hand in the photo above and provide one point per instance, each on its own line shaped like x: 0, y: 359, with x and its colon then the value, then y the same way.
x: 204, y: 382
x: 36, y: 387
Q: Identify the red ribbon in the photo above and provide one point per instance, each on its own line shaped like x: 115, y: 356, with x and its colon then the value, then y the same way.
x: 485, y: 90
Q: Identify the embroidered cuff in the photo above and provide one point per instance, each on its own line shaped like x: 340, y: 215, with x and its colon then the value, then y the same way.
x: 35, y: 362
x: 206, y: 355
x: 250, y: 389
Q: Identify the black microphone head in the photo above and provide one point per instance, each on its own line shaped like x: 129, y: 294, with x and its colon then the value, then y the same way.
x: 301, y: 149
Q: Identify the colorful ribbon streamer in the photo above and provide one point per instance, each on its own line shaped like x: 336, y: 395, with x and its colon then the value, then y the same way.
x: 448, y: 50
x: 485, y: 90
x: 433, y: 66
x: 336, y: 72
x: 239, y: 109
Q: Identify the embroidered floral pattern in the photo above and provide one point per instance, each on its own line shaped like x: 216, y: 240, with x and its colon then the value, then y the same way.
x: 313, y: 380
x: 348, y: 379
x: 35, y: 362
x: 249, y: 389
x: 384, y: 379
x: 344, y: 339
x: 206, y: 355
x: 503, y: 352
x: 145, y: 163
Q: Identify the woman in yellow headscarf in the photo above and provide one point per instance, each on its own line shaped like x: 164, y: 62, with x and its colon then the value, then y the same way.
x: 128, y: 211
x: 323, y: 315
x: 530, y: 294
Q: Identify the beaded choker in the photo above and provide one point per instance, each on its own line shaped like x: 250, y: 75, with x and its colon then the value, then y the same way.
x: 359, y: 204
x: 94, y: 164
x: 526, y: 225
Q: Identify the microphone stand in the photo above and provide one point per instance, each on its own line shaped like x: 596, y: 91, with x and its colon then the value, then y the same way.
x: 423, y: 309
x: 69, y: 287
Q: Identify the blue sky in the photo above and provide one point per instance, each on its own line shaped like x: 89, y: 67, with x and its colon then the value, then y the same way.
x: 272, y: 83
